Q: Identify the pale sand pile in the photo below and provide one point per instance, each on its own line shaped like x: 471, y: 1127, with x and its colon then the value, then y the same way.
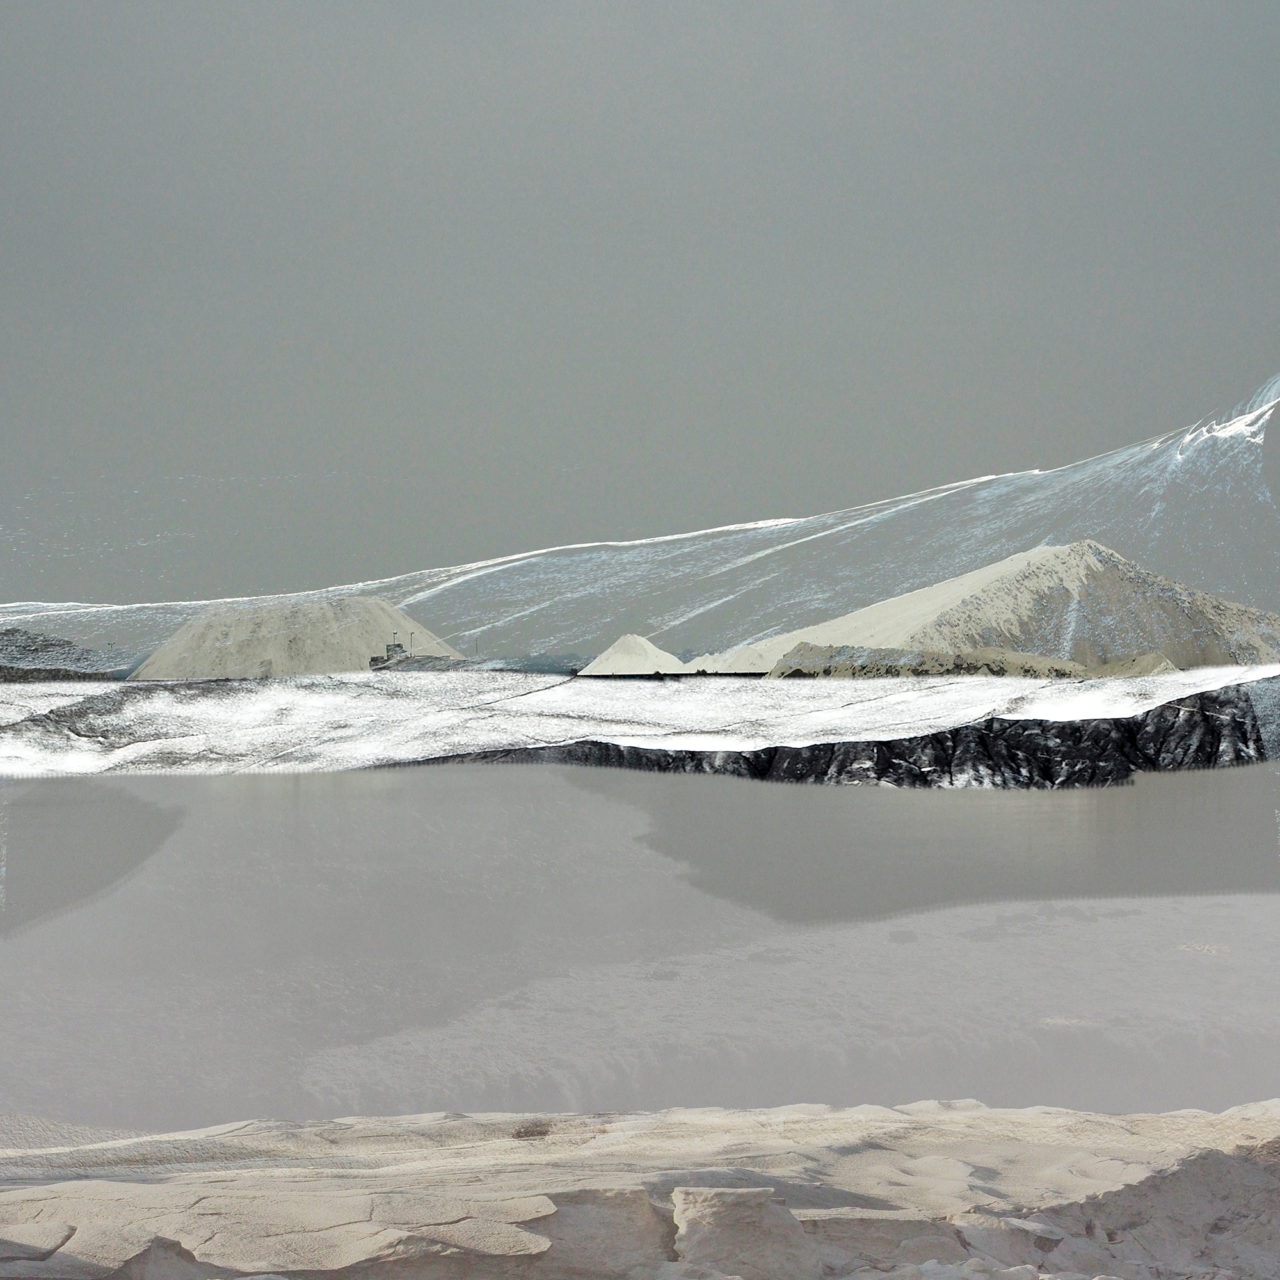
x: 287, y: 636
x: 931, y: 1191
x: 1081, y: 602
x: 633, y: 655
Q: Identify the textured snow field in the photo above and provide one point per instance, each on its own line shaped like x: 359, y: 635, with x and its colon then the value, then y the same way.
x: 307, y: 724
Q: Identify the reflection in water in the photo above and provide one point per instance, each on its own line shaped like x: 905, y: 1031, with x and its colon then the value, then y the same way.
x: 811, y: 854
x: 63, y: 841
x: 185, y: 951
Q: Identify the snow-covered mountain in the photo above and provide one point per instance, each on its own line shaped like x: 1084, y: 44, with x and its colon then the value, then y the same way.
x: 1081, y: 602
x: 1191, y: 505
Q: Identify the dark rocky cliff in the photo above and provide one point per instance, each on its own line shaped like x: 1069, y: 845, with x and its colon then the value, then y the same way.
x: 1200, y: 731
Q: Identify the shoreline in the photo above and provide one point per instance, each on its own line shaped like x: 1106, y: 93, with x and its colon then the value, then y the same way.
x: 803, y: 1192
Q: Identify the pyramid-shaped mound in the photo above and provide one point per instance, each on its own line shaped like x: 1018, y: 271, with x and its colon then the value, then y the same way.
x: 633, y: 655
x: 288, y: 636
x: 1082, y: 602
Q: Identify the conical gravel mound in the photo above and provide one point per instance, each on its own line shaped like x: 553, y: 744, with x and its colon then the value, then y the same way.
x: 288, y: 637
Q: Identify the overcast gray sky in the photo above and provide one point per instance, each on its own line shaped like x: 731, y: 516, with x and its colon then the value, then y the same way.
x: 297, y: 294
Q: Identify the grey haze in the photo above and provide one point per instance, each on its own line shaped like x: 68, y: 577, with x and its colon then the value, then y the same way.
x: 297, y: 295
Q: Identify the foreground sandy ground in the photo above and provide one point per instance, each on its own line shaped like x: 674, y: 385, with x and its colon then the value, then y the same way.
x: 931, y: 1190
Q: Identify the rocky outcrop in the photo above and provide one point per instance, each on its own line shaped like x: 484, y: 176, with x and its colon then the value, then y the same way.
x: 850, y: 662
x: 1200, y: 731
x: 32, y: 656
x: 742, y: 1230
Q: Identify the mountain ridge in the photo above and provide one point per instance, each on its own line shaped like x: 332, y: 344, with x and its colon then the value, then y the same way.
x: 1191, y: 505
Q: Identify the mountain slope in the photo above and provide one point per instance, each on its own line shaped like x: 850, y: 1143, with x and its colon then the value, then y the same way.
x: 1191, y: 505
x: 1082, y: 602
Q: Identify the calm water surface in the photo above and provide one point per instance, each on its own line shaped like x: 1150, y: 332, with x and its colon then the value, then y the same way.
x: 185, y: 951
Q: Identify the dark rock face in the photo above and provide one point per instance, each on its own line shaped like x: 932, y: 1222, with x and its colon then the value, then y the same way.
x: 1265, y: 696
x: 1201, y: 731
x: 808, y: 661
x: 29, y: 655
x: 31, y: 675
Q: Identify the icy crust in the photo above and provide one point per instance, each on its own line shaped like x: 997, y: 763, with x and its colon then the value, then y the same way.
x: 1191, y: 505
x: 344, y: 722
x: 856, y: 662
x: 928, y: 1191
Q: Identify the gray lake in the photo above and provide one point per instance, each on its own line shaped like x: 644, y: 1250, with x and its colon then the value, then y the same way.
x: 183, y: 951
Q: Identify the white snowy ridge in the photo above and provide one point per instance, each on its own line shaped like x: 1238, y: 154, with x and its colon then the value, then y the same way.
x: 316, y: 723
